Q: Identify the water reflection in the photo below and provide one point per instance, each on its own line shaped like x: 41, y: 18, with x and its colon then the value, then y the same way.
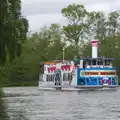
x: 3, y: 114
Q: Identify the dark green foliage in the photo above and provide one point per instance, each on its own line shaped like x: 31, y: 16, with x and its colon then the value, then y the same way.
x: 13, y: 30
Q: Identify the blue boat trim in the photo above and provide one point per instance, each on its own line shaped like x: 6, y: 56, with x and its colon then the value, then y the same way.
x: 95, y: 80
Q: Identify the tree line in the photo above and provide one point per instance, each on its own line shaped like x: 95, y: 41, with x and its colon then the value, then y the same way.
x: 21, y: 54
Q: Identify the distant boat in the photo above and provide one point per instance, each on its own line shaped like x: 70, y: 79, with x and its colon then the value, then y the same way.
x: 96, y: 73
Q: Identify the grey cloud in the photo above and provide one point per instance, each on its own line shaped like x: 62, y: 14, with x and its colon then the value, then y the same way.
x: 45, y: 12
x: 53, y: 6
x: 38, y: 21
x: 43, y: 7
x: 115, y: 6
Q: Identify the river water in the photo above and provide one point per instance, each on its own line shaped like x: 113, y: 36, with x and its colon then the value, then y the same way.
x: 30, y: 103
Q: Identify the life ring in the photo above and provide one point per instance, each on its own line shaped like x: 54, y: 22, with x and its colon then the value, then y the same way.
x: 108, y: 81
x: 102, y: 81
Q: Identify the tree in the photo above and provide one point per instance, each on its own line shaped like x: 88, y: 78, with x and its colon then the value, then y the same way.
x: 80, y: 22
x: 13, y: 29
x: 113, y: 23
x: 49, y: 42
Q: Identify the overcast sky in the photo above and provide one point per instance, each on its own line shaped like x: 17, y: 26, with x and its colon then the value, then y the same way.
x: 46, y: 12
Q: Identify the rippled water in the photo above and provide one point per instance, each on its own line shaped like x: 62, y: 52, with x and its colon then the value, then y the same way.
x: 33, y: 104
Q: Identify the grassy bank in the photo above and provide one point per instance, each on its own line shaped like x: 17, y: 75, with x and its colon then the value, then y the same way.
x: 18, y: 84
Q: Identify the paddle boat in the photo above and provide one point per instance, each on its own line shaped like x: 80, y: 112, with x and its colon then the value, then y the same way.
x: 96, y: 73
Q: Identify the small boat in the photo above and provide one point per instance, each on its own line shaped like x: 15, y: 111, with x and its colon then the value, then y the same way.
x: 96, y: 73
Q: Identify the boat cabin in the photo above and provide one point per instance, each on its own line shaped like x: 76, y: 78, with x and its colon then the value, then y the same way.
x: 96, y: 63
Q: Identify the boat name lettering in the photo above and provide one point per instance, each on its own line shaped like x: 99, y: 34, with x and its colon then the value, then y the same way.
x: 100, y: 73
x: 107, y: 73
x: 91, y: 73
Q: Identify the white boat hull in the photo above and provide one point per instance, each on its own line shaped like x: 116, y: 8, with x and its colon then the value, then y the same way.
x: 77, y: 88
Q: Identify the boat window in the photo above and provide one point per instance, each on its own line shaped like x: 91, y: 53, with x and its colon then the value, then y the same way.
x: 107, y: 62
x: 93, y: 62
x: 84, y: 64
x: 41, y: 67
x: 89, y: 62
x: 100, y: 62
x: 50, y: 77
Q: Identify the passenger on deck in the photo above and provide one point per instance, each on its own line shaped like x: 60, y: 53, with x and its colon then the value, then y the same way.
x: 76, y: 61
